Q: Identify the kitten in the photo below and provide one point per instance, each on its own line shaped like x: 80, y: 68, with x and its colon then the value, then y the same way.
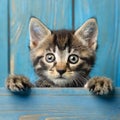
x: 62, y: 58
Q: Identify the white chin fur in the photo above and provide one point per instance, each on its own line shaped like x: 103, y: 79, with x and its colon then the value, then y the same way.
x: 60, y: 82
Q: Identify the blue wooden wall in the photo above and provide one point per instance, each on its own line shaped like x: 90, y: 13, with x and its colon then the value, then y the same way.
x: 57, y: 14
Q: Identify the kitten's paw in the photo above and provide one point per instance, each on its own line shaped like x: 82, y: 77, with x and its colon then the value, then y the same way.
x: 99, y: 85
x: 16, y: 83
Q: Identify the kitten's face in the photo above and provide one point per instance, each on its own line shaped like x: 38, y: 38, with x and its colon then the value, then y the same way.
x: 63, y: 56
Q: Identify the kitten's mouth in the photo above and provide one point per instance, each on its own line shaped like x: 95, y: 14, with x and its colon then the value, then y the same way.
x: 60, y: 77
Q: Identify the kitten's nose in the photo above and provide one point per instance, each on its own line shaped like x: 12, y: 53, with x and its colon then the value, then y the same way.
x: 61, y: 71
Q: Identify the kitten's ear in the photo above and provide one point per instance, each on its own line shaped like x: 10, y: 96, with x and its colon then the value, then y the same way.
x: 88, y: 33
x: 37, y: 32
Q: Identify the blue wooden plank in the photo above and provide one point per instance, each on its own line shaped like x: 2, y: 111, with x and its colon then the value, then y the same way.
x: 117, y: 43
x: 55, y: 14
x: 59, y: 104
x: 3, y: 41
x: 107, y: 13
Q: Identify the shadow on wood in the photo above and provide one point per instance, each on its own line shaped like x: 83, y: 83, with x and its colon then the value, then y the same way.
x: 59, y: 104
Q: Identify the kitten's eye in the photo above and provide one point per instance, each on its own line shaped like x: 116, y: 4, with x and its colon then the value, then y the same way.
x: 73, y: 59
x: 50, y: 57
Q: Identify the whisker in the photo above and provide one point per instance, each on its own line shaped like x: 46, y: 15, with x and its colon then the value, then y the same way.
x: 81, y: 82
x: 80, y: 79
x: 74, y: 83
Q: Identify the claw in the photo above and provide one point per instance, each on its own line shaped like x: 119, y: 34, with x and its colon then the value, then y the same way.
x: 100, y: 85
x: 17, y: 83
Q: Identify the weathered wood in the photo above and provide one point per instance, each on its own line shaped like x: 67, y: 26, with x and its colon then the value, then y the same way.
x: 59, y: 104
x: 3, y: 41
x: 107, y: 13
x: 55, y: 14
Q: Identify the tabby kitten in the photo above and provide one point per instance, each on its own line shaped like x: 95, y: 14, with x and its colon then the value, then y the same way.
x: 62, y: 58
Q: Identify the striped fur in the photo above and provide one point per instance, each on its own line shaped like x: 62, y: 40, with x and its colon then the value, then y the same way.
x: 72, y: 53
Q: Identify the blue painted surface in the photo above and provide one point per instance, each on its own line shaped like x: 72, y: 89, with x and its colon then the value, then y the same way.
x: 58, y: 104
x: 107, y: 13
x: 3, y: 41
x: 57, y: 15
x: 61, y: 104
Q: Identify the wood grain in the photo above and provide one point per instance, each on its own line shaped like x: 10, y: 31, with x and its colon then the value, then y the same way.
x: 54, y: 14
x: 3, y: 41
x: 107, y: 13
x: 57, y: 15
x: 59, y: 104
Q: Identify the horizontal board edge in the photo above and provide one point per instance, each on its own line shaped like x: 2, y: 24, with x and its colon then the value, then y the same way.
x: 55, y: 92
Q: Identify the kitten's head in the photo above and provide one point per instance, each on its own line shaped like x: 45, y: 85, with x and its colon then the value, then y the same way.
x: 63, y: 56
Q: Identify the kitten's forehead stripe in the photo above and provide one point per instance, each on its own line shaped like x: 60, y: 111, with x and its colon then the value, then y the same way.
x: 62, y: 39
